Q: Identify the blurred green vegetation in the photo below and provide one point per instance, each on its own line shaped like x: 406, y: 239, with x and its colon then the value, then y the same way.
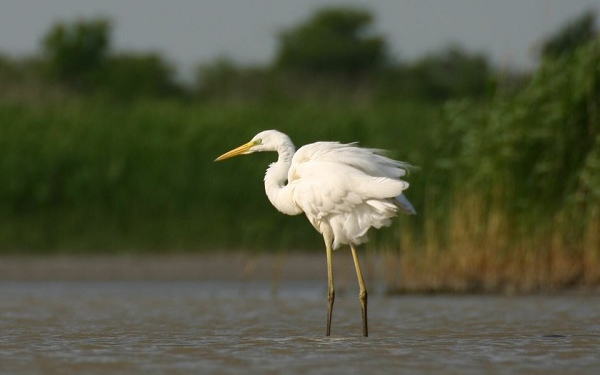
x: 513, y: 194
x: 333, y: 41
x: 109, y: 152
x: 83, y: 174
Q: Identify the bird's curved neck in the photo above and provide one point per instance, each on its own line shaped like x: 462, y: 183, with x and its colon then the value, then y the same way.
x: 276, y: 180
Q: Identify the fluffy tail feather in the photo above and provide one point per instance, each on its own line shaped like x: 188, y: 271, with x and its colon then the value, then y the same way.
x: 404, y: 205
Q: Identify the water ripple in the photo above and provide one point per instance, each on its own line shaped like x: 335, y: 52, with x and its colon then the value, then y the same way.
x: 179, y: 328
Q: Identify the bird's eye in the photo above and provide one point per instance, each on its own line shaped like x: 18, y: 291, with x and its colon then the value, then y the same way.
x: 257, y: 141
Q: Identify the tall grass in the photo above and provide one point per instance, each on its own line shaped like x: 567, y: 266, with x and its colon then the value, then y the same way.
x: 482, y: 251
x: 521, y: 209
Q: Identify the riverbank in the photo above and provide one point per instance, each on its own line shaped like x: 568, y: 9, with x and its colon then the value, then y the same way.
x: 237, y: 266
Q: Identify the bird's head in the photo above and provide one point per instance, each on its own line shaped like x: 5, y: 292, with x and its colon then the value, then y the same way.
x: 268, y: 140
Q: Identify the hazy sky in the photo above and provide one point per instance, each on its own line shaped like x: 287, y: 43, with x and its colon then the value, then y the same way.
x: 193, y: 31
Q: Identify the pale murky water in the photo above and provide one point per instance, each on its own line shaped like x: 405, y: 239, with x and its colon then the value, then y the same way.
x: 236, y: 328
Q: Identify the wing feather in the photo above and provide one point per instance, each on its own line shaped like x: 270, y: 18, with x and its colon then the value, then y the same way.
x: 351, y: 188
x: 368, y: 160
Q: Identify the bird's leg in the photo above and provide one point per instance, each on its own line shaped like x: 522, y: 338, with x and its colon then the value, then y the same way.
x: 330, y: 288
x: 362, y: 291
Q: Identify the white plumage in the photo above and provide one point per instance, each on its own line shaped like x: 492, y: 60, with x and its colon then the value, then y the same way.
x: 344, y: 190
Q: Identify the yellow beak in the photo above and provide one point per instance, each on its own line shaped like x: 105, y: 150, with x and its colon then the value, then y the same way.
x: 236, y: 151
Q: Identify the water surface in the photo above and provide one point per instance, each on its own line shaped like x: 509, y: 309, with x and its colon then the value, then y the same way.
x: 199, y: 327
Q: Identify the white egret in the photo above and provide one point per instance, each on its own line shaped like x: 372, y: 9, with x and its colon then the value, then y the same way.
x: 344, y: 190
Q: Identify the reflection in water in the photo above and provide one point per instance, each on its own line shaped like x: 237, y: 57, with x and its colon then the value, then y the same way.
x: 237, y: 328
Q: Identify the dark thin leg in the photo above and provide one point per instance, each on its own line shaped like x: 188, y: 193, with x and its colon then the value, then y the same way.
x: 330, y: 288
x: 362, y: 291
